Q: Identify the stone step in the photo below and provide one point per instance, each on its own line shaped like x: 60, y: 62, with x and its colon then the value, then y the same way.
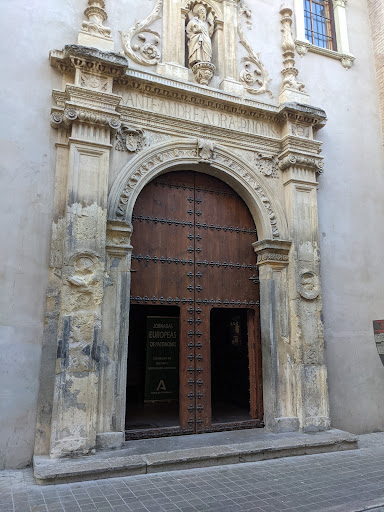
x: 187, y: 452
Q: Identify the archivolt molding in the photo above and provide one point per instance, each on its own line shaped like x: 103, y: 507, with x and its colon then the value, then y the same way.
x: 269, y: 216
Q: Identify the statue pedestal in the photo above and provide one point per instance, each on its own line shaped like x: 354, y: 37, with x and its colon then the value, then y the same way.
x: 203, y: 72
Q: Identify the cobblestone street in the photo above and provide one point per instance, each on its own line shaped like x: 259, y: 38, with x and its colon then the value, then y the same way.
x: 339, y: 482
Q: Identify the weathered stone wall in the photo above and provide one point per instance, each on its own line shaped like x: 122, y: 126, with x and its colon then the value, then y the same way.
x: 351, y: 211
x: 376, y: 15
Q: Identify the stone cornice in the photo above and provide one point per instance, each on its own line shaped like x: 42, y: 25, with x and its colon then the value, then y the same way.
x: 75, y: 56
x: 305, y: 114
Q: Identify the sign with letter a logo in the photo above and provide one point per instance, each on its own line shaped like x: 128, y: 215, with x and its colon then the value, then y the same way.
x: 162, y: 361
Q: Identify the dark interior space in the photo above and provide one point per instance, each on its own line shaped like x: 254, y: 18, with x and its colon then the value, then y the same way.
x: 229, y: 365
x: 142, y: 413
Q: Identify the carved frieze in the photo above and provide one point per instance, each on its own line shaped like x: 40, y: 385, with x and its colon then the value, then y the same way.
x: 141, y: 43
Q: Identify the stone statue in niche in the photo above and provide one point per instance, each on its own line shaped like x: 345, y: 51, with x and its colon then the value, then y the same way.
x: 199, y: 33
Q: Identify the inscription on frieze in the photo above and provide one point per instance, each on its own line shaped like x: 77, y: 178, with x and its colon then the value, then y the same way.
x: 198, y: 114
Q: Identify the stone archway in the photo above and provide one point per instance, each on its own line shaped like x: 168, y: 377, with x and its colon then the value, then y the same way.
x: 272, y: 251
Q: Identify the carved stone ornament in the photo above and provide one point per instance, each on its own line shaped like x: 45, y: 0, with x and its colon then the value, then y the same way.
x: 288, y: 46
x: 346, y: 59
x: 140, y: 43
x: 267, y: 165
x: 254, y: 75
x: 96, y: 15
x: 130, y: 139
x: 206, y: 149
x: 203, y: 72
x: 309, y: 287
x: 69, y: 115
x: 199, y: 31
x: 297, y: 160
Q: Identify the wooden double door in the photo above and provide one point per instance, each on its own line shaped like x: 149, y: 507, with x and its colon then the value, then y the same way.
x: 192, y: 253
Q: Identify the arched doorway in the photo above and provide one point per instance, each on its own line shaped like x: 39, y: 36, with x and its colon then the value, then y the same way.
x: 194, y: 356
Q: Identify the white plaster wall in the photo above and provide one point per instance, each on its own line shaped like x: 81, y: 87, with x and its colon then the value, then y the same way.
x: 350, y: 203
x: 29, y: 30
x: 351, y: 211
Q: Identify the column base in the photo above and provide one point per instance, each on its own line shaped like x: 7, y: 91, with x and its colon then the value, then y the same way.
x: 110, y: 440
x: 294, y: 96
x: 316, y: 424
x: 287, y: 424
x: 232, y: 86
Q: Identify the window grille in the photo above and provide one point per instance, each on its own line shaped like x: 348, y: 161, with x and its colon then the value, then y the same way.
x: 319, y: 23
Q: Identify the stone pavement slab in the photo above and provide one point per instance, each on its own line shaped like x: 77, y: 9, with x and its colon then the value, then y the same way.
x: 186, y: 452
x: 347, y: 481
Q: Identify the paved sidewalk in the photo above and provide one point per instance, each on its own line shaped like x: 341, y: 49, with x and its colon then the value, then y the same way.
x: 335, y: 482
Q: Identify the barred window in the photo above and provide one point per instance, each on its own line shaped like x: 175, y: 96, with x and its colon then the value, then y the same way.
x: 319, y: 23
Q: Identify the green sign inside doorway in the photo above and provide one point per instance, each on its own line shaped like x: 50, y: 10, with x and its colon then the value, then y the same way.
x: 162, y: 361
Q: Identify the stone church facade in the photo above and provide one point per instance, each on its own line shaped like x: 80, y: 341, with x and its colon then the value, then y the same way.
x: 239, y: 99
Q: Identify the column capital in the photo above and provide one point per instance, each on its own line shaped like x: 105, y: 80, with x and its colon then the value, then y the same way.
x: 118, y: 238
x: 272, y: 252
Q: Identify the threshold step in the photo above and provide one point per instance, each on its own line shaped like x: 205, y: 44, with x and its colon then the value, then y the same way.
x: 188, y: 452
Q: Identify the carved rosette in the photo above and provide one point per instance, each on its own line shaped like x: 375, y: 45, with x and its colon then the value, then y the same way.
x: 140, y: 43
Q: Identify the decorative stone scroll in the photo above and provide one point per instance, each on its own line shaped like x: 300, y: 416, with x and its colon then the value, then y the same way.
x: 145, y: 49
x: 305, y: 161
x: 254, y: 75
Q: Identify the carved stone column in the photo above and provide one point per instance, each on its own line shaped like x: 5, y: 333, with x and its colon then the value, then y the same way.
x: 308, y: 354
x: 113, y: 367
x: 279, y: 389
x: 174, y: 21
x: 87, y: 108
x: 229, y: 46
